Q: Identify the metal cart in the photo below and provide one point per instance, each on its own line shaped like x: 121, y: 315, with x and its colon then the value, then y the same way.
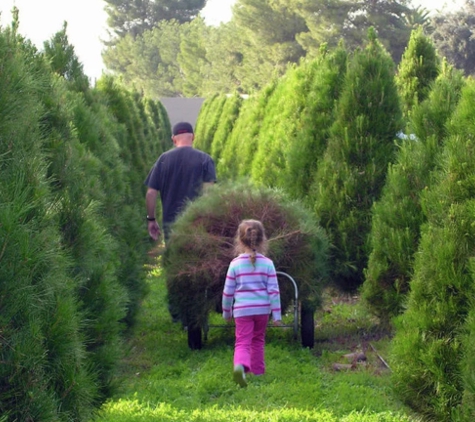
x: 295, y: 306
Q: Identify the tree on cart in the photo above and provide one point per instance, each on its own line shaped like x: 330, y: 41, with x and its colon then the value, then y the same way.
x: 201, y: 247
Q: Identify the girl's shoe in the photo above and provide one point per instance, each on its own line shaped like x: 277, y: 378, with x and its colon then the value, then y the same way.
x: 239, y: 375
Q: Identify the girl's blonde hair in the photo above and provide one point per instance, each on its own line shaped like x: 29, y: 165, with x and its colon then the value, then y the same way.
x: 250, y: 237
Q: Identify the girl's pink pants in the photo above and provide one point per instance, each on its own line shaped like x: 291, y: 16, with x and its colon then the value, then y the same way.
x: 250, y: 342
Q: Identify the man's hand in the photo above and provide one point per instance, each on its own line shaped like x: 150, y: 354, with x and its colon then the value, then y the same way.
x: 278, y: 323
x: 153, y: 230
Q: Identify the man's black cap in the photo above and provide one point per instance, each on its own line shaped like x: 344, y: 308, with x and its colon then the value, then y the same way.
x: 182, y: 127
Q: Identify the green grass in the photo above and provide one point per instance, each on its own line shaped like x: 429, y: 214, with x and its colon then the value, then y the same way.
x: 161, y: 379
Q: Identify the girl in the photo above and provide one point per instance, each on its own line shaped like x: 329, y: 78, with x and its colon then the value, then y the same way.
x: 251, y: 293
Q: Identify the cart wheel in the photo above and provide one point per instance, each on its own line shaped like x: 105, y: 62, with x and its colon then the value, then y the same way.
x: 307, y: 328
x: 195, y: 337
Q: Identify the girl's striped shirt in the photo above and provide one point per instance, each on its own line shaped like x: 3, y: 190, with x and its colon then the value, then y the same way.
x: 251, y: 290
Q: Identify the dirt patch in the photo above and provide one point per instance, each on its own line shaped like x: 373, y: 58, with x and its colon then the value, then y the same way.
x: 345, y: 330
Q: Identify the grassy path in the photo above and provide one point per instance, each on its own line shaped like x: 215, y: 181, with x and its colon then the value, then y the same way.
x: 162, y: 380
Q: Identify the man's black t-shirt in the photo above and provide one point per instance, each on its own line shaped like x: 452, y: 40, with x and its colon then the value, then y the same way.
x: 179, y: 175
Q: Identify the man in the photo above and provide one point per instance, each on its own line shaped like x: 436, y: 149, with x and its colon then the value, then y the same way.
x: 180, y: 175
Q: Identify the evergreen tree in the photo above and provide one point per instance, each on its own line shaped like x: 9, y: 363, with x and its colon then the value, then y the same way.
x: 310, y: 141
x: 454, y: 38
x: 132, y: 142
x: 220, y: 141
x: 466, y: 410
x: 267, y: 30
x: 332, y: 21
x: 418, y: 68
x: 398, y: 215
x: 134, y: 17
x: 202, y: 121
x: 63, y: 60
x: 250, y: 127
x: 231, y: 155
x: 281, y: 124
x: 242, y: 143
x: 78, y: 178
x: 192, y: 57
x: 44, y: 373
x: 161, y: 126
x: 72, y: 223
x: 428, y: 348
x: 149, y: 63
x: 351, y: 174
x: 209, y: 124
x: 224, y: 54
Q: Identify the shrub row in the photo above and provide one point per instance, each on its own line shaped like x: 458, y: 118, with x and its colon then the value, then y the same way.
x: 72, y: 237
x: 383, y: 159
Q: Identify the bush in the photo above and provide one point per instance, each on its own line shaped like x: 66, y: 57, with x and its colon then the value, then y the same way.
x: 201, y: 247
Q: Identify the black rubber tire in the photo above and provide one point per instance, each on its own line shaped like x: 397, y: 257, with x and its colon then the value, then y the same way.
x: 195, y: 339
x: 307, y: 328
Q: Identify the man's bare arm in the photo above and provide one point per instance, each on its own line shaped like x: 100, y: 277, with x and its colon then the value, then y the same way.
x: 151, y: 201
x: 150, y: 204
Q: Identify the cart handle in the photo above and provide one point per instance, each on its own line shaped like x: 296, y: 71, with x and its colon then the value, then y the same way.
x: 296, y: 310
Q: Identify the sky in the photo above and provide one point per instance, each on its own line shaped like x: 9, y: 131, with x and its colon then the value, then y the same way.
x: 86, y: 19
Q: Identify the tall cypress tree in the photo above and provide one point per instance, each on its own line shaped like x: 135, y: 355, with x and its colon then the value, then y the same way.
x: 131, y: 137
x: 281, y: 124
x: 219, y: 147
x: 428, y: 349
x: 352, y: 172
x: 418, y: 69
x: 246, y: 131
x: 310, y: 141
x: 208, y: 122
x: 398, y: 216
x: 44, y: 373
x: 202, y: 121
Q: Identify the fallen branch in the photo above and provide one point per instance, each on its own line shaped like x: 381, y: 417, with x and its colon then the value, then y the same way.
x: 380, y: 357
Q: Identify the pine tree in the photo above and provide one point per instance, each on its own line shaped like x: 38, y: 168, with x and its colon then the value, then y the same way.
x: 280, y: 125
x: 267, y: 31
x: 192, y: 57
x: 331, y: 22
x: 352, y: 172
x: 130, y: 135
x: 148, y: 63
x: 135, y: 17
x: 453, y: 36
x: 63, y: 60
x: 202, y: 121
x: 208, y: 123
x: 247, y: 128
x: 310, y: 141
x: 220, y: 141
x: 418, y: 69
x: 44, y: 373
x: 428, y: 349
x: 395, y: 228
